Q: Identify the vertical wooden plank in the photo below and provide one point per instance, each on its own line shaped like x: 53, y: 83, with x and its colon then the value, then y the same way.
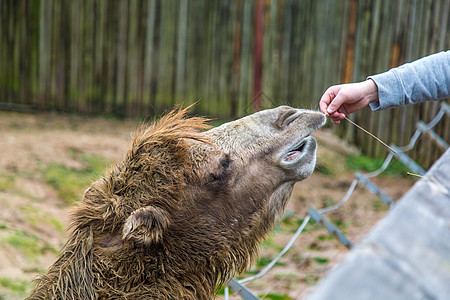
x: 74, y: 53
x: 14, y: 71
x: 405, y: 115
x: 258, y: 55
x: 417, y: 110
x: 156, y: 56
x: 226, y: 58
x: 132, y: 64
x: 277, y: 17
x: 140, y: 48
x: 173, y: 13
x: 396, y: 60
x: 234, y: 94
x: 24, y: 53
x: 3, y: 50
x: 286, y: 50
x: 344, y: 35
x: 149, y: 59
x: 80, y: 87
x: 211, y: 64
x: 99, y: 77
x: 383, y: 124
x: 45, y: 21
x: 443, y: 34
x: 33, y: 32
x: 86, y: 53
x: 244, y: 100
x: 109, y: 52
x: 65, y: 64
x: 308, y: 30
x: 141, y: 22
x: 167, y: 36
x: 181, y: 48
x: 191, y: 53
x: 374, y: 148
x: 121, y: 101
x: 294, y: 59
x: 350, y: 42
x: 269, y: 57
x: 426, y: 32
x: 352, y: 55
x: 55, y: 61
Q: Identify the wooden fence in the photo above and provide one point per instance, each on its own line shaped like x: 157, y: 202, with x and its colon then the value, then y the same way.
x: 131, y: 58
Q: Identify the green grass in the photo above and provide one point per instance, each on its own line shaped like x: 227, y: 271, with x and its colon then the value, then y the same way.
x: 6, y: 182
x: 29, y: 245
x: 222, y: 290
x: 286, y: 275
x: 34, y: 217
x: 276, y: 296
x: 69, y: 182
x: 321, y: 260
x: 13, y: 288
x: 325, y: 237
x: 379, y: 205
x: 340, y: 224
x: 370, y: 164
x: 324, y: 170
x: 310, y: 227
x: 311, y: 279
x: 265, y: 260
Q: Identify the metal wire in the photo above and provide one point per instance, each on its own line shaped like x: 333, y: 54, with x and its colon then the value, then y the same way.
x: 276, y: 259
x: 342, y: 202
x: 428, y: 126
x: 412, y: 142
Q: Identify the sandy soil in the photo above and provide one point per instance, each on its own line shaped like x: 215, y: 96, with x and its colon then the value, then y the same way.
x: 31, y: 207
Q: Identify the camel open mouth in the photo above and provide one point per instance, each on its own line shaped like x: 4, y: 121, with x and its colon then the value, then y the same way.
x: 306, y: 146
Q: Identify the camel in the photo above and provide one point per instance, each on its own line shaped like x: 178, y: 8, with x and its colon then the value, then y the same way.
x: 186, y: 208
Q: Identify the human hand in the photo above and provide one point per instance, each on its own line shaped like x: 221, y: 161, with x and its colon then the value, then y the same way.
x: 341, y: 100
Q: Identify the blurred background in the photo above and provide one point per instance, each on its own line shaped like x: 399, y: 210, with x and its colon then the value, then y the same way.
x: 77, y: 76
x: 139, y: 58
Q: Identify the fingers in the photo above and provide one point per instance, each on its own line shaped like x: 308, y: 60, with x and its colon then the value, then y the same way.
x: 332, y: 99
x: 336, y: 103
x: 336, y: 117
x: 327, y: 98
x: 340, y: 100
x: 328, y: 107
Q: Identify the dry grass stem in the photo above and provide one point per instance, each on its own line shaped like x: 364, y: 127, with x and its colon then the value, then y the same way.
x: 383, y: 143
x: 412, y: 174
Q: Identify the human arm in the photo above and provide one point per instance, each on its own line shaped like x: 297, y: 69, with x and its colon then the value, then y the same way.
x: 425, y: 79
x: 422, y: 80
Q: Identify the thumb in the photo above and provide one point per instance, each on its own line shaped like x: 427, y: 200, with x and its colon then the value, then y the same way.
x: 336, y: 103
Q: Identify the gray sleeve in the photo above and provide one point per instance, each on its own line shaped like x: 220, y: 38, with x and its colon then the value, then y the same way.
x: 422, y: 80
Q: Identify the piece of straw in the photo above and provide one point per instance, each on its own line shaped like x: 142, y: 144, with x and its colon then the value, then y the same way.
x: 383, y: 143
x: 412, y: 174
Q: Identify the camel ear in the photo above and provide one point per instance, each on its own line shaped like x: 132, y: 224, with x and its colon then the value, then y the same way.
x: 145, y: 225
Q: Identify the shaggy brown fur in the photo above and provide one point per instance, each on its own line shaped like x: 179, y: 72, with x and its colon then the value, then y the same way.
x: 175, y: 219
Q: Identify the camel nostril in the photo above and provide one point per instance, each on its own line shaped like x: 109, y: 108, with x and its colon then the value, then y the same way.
x: 286, y: 117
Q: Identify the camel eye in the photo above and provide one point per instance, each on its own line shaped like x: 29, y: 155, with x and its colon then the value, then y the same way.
x: 226, y: 162
x: 214, y: 177
x: 222, y: 171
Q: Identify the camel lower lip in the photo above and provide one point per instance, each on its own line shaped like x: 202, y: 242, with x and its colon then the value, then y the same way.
x: 294, y: 154
x: 298, y: 152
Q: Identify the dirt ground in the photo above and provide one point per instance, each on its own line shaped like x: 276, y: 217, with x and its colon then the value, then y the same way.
x: 39, y: 151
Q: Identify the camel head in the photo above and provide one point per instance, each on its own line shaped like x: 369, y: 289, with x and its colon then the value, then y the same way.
x: 187, y: 207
